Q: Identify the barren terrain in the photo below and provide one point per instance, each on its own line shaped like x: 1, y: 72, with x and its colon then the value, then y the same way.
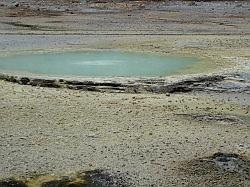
x: 190, y: 129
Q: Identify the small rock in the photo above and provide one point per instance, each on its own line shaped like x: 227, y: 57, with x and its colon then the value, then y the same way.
x: 92, y: 136
x: 192, y: 4
x: 17, y: 5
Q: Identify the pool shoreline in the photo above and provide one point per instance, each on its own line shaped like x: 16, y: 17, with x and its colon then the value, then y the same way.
x: 183, y: 82
x: 161, y: 85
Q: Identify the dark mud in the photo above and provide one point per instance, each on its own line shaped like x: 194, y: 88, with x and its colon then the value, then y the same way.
x: 99, y: 178
x: 232, y: 163
x: 95, y: 178
x: 220, y: 169
x: 12, y: 183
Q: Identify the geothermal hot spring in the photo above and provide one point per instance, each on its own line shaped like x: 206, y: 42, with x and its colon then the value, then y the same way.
x: 95, y: 63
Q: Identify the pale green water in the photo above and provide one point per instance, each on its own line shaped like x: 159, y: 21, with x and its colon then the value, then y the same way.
x: 104, y: 63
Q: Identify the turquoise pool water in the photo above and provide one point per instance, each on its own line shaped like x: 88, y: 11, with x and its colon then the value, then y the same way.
x: 95, y: 63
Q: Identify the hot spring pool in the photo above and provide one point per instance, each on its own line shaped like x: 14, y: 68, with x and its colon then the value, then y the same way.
x: 95, y: 63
